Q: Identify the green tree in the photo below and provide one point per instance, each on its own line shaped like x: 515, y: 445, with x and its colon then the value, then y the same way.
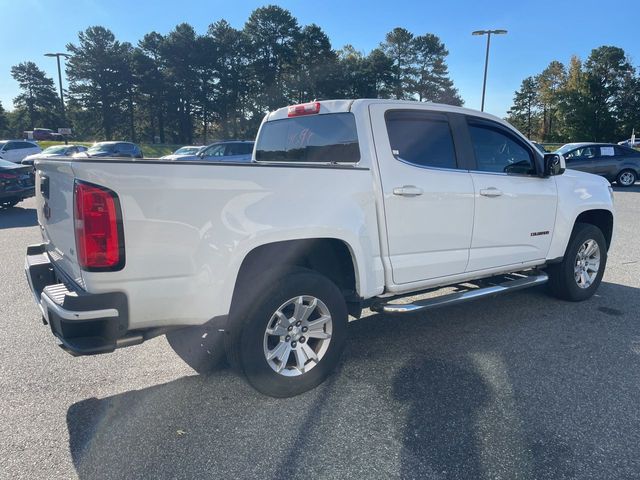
x: 233, y: 82
x: 398, y: 46
x: 574, y: 109
x: 4, y: 122
x: 627, y: 105
x: 179, y: 53
x: 100, y: 80
x: 315, y: 63
x: 38, y: 101
x: 272, y: 33
x: 432, y: 82
x: 524, y: 113
x: 151, y: 85
x: 606, y: 70
x: 377, y: 72
x: 550, y: 82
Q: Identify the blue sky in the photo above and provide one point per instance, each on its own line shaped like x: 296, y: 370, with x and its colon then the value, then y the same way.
x: 539, y: 31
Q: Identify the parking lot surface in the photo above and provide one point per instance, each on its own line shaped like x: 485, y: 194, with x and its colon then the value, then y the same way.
x: 520, y: 386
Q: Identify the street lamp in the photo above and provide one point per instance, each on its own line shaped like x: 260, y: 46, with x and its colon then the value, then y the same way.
x: 58, y: 55
x: 486, y: 59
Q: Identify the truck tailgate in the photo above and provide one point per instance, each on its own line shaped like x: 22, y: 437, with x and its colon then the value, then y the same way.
x: 54, y: 199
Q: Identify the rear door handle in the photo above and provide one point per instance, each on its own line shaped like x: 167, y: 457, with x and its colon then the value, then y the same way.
x: 408, y: 191
x: 490, y: 192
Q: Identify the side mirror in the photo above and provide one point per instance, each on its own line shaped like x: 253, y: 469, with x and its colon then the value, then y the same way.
x: 553, y: 164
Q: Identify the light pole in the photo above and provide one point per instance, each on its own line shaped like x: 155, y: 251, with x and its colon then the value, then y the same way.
x: 58, y: 55
x: 486, y: 58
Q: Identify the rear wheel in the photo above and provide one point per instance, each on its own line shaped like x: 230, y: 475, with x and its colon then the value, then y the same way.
x: 290, y: 338
x: 626, y: 178
x: 579, y: 274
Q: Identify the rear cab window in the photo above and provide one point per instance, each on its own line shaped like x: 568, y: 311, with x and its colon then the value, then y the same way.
x: 323, y: 138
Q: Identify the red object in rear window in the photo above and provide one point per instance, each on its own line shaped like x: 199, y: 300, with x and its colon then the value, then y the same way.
x: 303, y: 109
x: 98, y: 226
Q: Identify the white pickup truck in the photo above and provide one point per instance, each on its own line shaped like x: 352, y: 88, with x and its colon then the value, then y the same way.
x: 345, y: 205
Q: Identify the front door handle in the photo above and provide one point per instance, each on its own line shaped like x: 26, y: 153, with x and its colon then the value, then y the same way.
x: 408, y: 191
x: 490, y: 192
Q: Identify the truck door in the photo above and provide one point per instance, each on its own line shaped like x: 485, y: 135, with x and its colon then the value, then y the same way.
x: 515, y: 209
x: 428, y: 198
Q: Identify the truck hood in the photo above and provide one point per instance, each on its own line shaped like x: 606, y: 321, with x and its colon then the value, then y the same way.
x: 588, y: 178
x: 584, y: 191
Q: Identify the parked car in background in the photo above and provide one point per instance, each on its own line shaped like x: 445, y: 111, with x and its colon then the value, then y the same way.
x: 188, y: 152
x: 55, y: 151
x: 16, y: 150
x: 628, y: 143
x: 112, y: 149
x: 616, y: 163
x: 539, y: 147
x: 228, y: 151
x: 42, y: 134
x: 16, y: 183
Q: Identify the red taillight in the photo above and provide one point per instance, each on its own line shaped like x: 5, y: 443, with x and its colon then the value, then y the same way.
x: 8, y: 176
x: 304, y: 109
x: 98, y: 225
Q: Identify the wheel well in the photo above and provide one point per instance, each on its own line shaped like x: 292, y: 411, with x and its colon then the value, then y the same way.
x: 603, y: 219
x: 327, y: 256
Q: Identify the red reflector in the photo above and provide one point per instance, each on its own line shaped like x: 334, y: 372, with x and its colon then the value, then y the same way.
x: 304, y: 109
x: 8, y: 175
x: 98, y: 226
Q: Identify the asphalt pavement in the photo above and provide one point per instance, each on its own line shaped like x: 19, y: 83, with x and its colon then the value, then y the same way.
x: 522, y: 386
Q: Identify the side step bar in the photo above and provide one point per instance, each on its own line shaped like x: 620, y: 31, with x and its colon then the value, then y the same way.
x: 460, y: 297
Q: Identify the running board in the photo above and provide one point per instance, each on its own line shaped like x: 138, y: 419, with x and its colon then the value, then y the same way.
x: 461, y: 297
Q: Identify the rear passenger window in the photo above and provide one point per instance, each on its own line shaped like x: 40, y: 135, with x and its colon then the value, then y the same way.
x: 239, y: 149
x: 497, y: 151
x: 421, y: 138
x: 327, y: 138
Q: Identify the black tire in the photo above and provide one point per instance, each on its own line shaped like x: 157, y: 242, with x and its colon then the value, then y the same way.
x: 562, y: 281
x: 248, y: 323
x: 626, y: 178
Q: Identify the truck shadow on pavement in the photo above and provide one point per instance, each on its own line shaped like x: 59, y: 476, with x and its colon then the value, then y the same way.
x: 18, y: 217
x: 522, y: 386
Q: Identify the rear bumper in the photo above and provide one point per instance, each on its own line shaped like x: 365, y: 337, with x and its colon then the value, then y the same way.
x: 83, y: 323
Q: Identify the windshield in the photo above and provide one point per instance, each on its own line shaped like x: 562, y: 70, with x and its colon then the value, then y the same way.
x: 186, y: 150
x: 55, y: 149
x: 565, y: 148
x: 101, y: 147
x: 2, y: 144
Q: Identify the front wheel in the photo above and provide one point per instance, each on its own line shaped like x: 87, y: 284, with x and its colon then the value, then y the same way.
x: 290, y: 338
x: 579, y: 274
x: 626, y: 178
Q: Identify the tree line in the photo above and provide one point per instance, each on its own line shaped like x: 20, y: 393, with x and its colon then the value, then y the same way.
x: 594, y: 100
x: 184, y: 86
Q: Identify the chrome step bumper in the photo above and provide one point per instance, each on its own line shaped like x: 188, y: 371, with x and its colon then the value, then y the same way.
x: 517, y: 282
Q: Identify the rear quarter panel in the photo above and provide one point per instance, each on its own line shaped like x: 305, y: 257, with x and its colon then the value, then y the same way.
x: 187, y: 228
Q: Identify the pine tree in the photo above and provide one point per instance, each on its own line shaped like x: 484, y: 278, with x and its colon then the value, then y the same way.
x: 524, y: 114
x: 38, y: 101
x: 432, y: 82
